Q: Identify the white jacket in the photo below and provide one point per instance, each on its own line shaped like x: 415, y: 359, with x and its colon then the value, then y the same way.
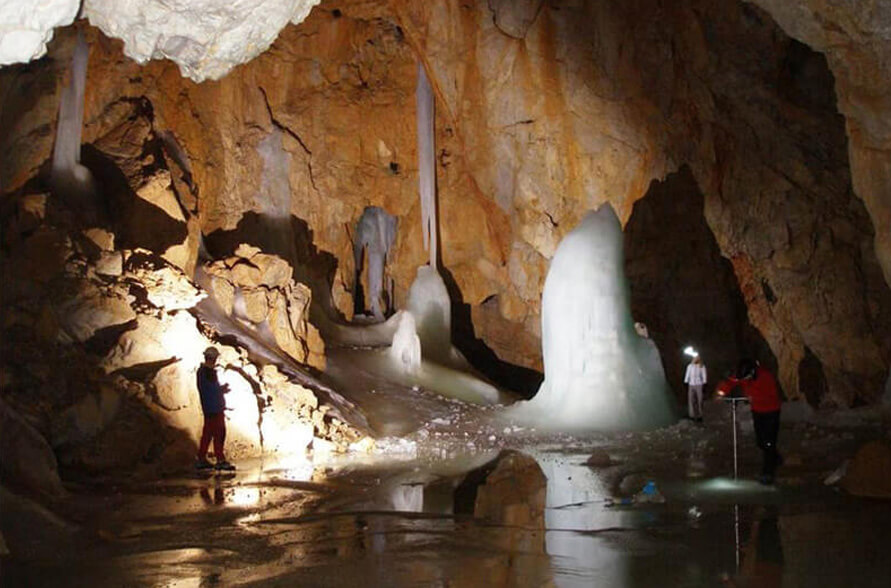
x: 696, y: 375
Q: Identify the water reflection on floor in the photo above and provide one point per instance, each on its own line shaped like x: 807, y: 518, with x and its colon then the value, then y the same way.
x: 393, y: 521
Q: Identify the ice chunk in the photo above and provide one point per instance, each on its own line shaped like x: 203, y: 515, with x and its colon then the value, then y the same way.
x: 70, y: 180
x: 406, y: 348
x: 426, y: 161
x: 599, y: 373
x: 375, y: 233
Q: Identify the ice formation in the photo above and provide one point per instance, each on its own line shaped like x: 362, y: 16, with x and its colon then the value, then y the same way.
x: 406, y: 347
x: 70, y: 179
x: 26, y: 27
x: 429, y: 303
x: 375, y: 234
x: 426, y: 162
x: 599, y: 373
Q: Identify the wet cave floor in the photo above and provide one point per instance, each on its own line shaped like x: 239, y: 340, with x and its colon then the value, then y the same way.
x: 391, y: 518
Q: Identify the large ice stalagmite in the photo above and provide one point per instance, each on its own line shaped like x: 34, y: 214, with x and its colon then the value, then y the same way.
x: 70, y: 179
x: 426, y: 162
x: 599, y: 373
x: 375, y: 234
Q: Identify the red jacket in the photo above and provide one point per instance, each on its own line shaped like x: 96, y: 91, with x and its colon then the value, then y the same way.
x: 761, y: 391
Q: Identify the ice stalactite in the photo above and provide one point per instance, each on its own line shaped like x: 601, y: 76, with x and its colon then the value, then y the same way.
x: 71, y: 180
x: 375, y: 234
x: 599, y: 373
x: 426, y: 162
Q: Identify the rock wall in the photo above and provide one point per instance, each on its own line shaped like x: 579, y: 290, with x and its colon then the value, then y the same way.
x: 856, y: 39
x: 544, y: 111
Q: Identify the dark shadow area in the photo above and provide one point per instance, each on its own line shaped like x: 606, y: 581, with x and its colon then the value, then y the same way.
x: 467, y: 489
x: 682, y: 288
x: 518, y: 379
x: 811, y: 379
x: 134, y: 221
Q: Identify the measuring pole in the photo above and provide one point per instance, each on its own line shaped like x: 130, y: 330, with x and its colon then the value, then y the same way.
x: 735, y: 467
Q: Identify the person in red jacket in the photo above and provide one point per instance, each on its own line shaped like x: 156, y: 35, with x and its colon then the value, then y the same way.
x: 760, y: 387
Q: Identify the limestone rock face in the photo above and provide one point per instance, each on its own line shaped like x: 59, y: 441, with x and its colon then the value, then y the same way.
x: 26, y: 459
x: 856, y: 39
x: 258, y: 289
x: 514, y: 18
x: 90, y: 309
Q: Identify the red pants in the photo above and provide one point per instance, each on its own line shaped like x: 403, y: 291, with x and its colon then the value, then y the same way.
x: 214, y: 428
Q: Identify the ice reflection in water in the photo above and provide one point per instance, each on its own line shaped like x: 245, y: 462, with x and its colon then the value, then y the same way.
x: 399, y: 522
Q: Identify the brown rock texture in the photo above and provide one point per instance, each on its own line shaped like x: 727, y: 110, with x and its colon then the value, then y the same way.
x: 258, y: 289
x: 869, y: 472
x: 856, y: 39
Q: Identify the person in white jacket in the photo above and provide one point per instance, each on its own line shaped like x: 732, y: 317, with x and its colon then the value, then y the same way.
x: 695, y: 378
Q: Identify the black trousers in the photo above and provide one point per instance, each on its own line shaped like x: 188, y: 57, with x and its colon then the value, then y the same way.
x: 767, y: 427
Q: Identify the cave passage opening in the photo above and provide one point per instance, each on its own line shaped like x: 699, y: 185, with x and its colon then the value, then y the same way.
x: 682, y: 288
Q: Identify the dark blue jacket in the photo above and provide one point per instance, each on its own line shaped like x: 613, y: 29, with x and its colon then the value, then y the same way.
x: 212, y: 399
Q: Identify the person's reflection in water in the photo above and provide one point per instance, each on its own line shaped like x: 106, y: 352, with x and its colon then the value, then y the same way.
x: 762, y: 557
x: 217, y: 496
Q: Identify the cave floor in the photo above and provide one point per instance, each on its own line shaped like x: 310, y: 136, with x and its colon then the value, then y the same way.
x: 387, y: 519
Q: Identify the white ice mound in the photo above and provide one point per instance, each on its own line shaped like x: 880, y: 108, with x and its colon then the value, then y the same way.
x: 429, y: 303
x: 206, y: 38
x: 599, y: 373
x: 406, y: 347
x: 26, y: 26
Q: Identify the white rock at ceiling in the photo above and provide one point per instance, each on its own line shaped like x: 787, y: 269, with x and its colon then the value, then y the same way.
x: 26, y: 26
x: 206, y: 38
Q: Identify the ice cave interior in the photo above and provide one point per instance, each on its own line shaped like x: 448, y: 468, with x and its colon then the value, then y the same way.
x: 453, y: 259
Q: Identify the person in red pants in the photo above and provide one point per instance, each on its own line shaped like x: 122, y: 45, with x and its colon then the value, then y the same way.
x: 213, y: 405
x: 760, y: 387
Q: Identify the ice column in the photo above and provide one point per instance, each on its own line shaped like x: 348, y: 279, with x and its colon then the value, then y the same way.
x: 69, y: 178
x: 426, y: 162
x: 599, y: 373
x: 375, y: 233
